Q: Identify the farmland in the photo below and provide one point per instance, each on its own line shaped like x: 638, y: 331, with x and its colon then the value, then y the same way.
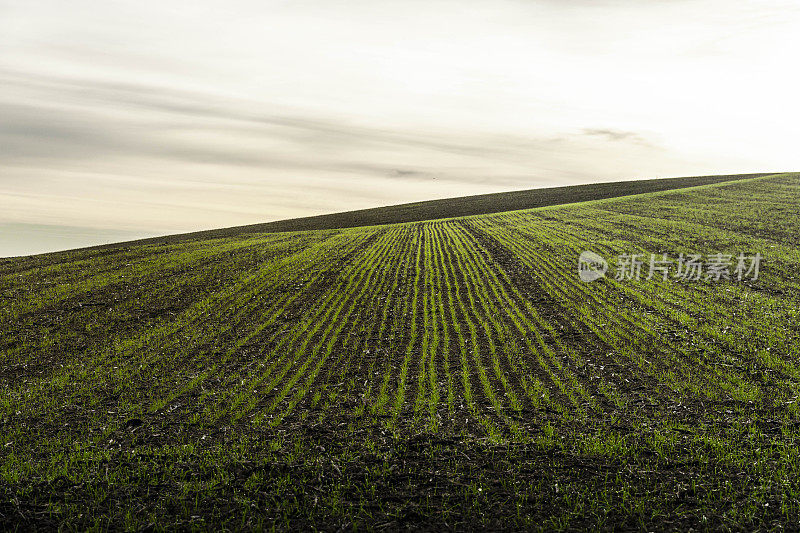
x: 451, y: 373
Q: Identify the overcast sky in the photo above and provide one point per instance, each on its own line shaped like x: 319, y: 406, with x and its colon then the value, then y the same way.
x: 124, y: 119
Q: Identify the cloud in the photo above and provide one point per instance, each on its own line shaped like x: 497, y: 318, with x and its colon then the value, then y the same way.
x: 72, y: 120
x: 172, y: 109
x: 616, y: 135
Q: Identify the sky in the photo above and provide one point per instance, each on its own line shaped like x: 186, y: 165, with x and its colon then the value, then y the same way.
x: 124, y: 119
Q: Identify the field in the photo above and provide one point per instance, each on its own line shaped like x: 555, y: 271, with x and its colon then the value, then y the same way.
x: 446, y: 374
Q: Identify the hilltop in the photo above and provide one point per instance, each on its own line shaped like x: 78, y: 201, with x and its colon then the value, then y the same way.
x: 453, y: 207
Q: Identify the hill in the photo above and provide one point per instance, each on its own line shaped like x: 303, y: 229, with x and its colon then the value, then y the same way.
x: 447, y: 374
x: 452, y: 207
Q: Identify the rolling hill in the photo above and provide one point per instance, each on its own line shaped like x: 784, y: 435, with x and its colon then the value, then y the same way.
x: 451, y: 207
x: 451, y: 373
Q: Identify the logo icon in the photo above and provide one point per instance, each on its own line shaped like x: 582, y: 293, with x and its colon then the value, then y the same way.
x: 591, y: 266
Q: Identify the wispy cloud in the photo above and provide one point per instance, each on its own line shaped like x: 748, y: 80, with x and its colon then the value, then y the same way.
x: 86, y: 120
x: 616, y: 135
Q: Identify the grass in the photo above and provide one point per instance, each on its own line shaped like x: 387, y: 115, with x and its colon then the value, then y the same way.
x: 451, y: 373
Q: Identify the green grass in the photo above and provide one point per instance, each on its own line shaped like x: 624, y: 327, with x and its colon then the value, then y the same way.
x: 450, y: 373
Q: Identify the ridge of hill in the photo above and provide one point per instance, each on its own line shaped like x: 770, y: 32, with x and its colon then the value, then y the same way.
x: 481, y: 204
